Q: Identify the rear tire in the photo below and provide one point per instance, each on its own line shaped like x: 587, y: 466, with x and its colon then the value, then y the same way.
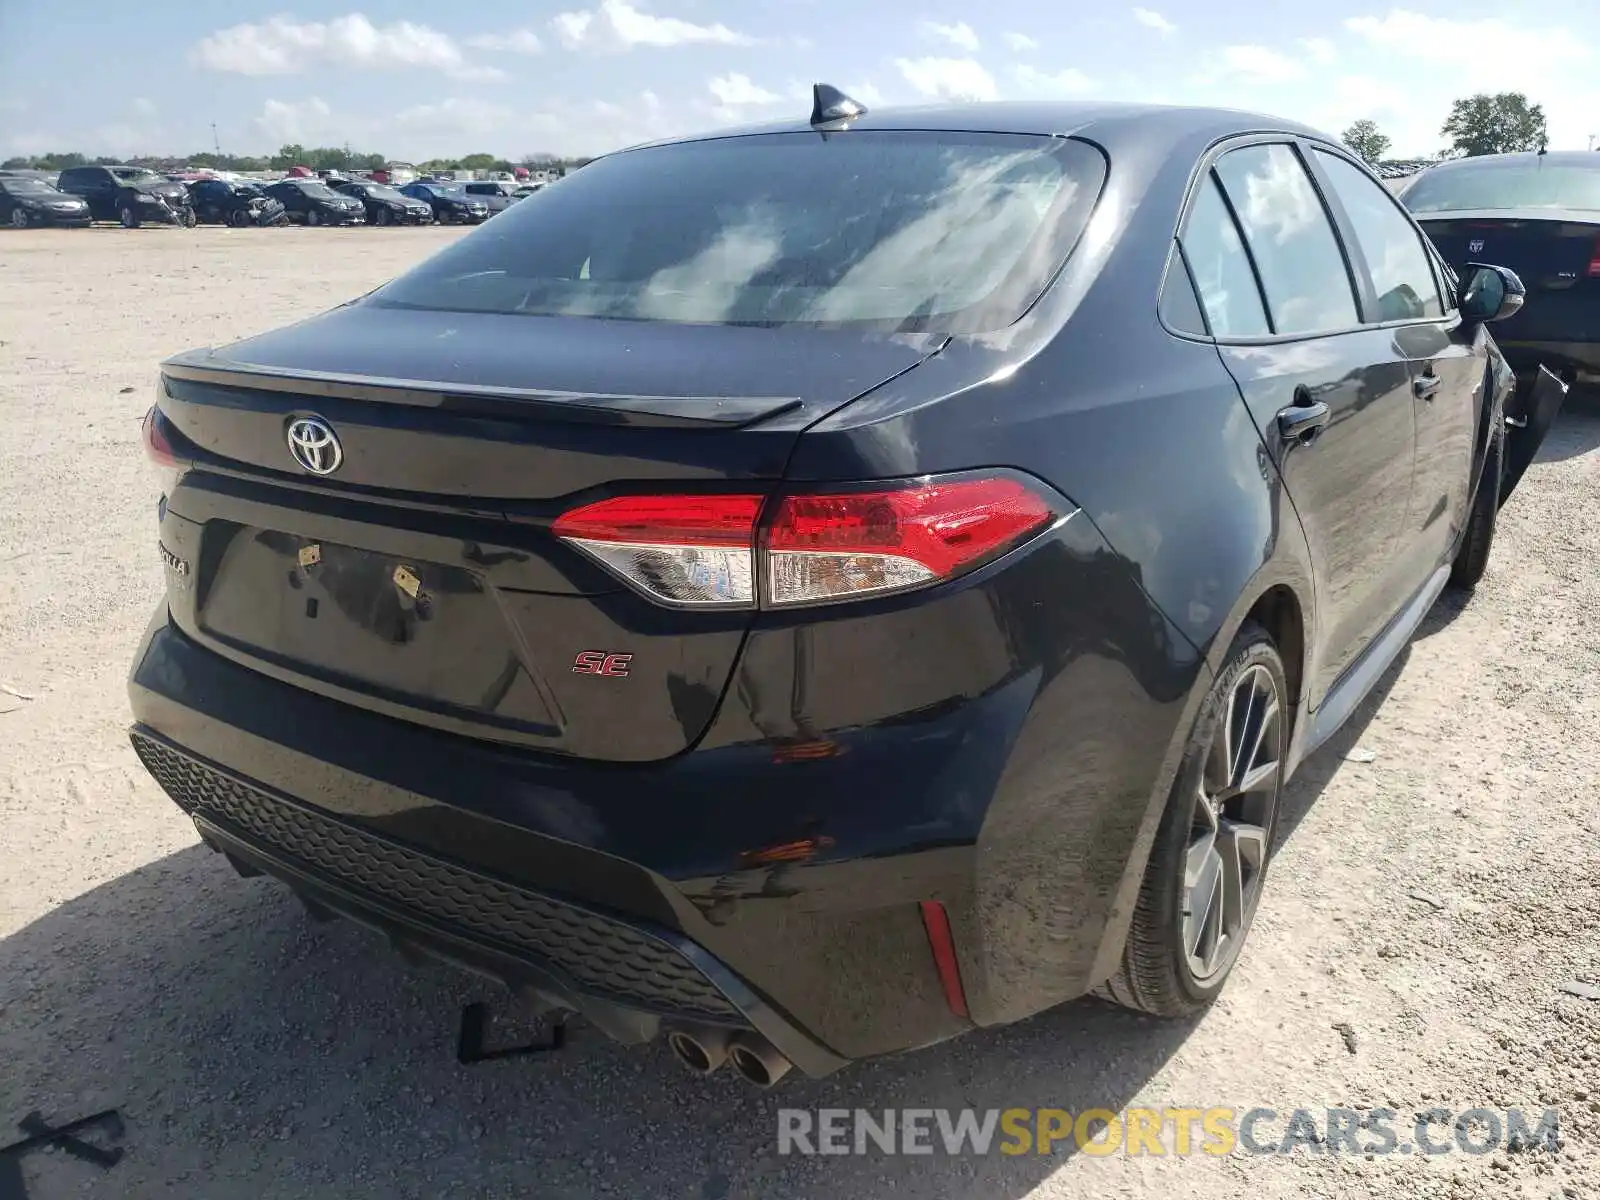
x: 383, y: 217
x: 20, y: 218
x: 238, y: 218
x: 129, y: 218
x: 188, y: 218
x: 312, y: 218
x: 1472, y: 559
x: 1209, y: 862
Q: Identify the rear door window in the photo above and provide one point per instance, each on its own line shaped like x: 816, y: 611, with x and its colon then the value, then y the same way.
x: 1221, y: 268
x: 898, y: 230
x: 1397, y: 261
x: 1296, y: 252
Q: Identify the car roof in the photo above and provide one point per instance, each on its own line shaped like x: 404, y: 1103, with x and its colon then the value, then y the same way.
x: 1529, y: 158
x: 1106, y: 122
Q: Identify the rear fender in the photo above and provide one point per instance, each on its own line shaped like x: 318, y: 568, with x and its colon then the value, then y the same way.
x: 1530, y: 413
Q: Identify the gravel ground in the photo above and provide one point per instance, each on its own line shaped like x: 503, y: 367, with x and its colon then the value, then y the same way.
x: 1431, y: 901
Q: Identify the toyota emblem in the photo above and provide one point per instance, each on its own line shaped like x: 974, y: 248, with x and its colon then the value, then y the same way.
x: 314, y: 445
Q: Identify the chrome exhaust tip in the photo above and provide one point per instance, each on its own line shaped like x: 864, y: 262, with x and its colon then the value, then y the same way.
x: 758, y: 1060
x: 702, y: 1051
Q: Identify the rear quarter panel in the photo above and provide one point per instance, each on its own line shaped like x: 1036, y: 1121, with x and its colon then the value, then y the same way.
x: 1146, y: 432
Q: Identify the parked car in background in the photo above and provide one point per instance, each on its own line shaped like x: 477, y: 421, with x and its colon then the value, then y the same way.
x: 25, y: 202
x: 1538, y: 214
x: 312, y: 202
x: 385, y: 205
x: 219, y: 202
x: 524, y: 190
x: 497, y: 194
x: 451, y: 206
x: 131, y: 195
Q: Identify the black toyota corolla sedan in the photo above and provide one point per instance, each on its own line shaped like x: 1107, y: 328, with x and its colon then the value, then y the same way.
x: 807, y: 592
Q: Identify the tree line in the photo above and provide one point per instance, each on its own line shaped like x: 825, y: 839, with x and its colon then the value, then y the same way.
x: 1480, y: 124
x: 318, y: 158
x: 1504, y: 123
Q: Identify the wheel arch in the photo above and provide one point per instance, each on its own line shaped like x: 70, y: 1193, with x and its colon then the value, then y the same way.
x: 1281, y: 599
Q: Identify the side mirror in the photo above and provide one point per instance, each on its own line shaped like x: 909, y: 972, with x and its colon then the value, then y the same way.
x: 1491, y: 293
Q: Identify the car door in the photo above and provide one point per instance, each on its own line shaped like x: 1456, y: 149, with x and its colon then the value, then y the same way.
x: 1448, y: 357
x: 1331, y: 398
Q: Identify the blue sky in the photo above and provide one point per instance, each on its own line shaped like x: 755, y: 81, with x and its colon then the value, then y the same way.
x: 584, y: 76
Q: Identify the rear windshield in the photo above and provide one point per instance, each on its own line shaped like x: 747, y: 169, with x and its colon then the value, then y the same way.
x: 913, y: 231
x: 1498, y: 186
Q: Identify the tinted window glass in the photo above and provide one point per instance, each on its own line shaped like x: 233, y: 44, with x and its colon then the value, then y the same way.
x: 1221, y: 268
x: 1402, y: 276
x: 1499, y: 185
x: 1180, y: 306
x: 904, y: 230
x: 1302, y: 269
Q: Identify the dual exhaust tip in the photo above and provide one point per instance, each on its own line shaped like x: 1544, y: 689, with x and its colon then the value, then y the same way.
x: 705, y: 1050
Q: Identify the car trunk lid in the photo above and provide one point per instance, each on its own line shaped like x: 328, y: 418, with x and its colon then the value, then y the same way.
x: 1555, y: 252
x: 421, y: 577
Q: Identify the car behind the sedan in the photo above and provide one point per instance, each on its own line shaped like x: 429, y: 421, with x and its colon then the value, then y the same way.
x: 25, y: 202
x: 385, y: 205
x: 1538, y: 214
x: 809, y: 629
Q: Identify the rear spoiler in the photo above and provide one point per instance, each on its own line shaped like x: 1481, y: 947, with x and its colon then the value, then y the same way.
x: 681, y: 412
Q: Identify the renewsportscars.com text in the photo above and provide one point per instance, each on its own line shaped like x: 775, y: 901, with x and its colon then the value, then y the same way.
x: 1159, y: 1132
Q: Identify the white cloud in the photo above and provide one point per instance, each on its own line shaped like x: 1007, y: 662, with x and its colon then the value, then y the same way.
x: 1259, y: 65
x: 518, y: 41
x: 1154, y: 20
x: 284, y: 46
x: 948, y: 78
x: 617, y: 25
x: 1445, y: 40
x: 1034, y: 82
x: 1021, y: 43
x: 285, y: 121
x: 865, y: 92
x: 1320, y: 50
x: 959, y: 35
x: 736, y: 91
x: 467, y: 117
x: 142, y: 107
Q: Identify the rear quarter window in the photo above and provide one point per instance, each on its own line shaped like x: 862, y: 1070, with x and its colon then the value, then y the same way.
x: 906, y: 231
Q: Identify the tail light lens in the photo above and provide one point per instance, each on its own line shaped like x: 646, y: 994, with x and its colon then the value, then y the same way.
x: 833, y: 547
x: 1594, y: 261
x: 159, y: 450
x: 693, y: 551
x: 820, y: 547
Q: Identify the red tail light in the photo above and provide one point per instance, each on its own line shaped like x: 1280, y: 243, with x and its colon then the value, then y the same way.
x: 703, y: 551
x: 157, y: 446
x: 854, y: 543
x: 159, y: 450
x: 1594, y: 261
x: 694, y: 551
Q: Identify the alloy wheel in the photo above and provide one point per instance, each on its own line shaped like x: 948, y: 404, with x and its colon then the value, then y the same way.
x: 19, y: 218
x: 1234, y: 804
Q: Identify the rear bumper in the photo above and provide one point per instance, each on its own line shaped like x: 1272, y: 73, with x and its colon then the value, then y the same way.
x: 736, y: 883
x: 1525, y: 357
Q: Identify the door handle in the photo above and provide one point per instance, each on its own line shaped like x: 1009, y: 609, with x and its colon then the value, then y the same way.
x: 1302, y: 423
x: 1425, y: 386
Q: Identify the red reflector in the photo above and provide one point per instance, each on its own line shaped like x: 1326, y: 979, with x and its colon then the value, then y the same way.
x: 665, y: 520
x: 937, y: 924
x: 157, y: 446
